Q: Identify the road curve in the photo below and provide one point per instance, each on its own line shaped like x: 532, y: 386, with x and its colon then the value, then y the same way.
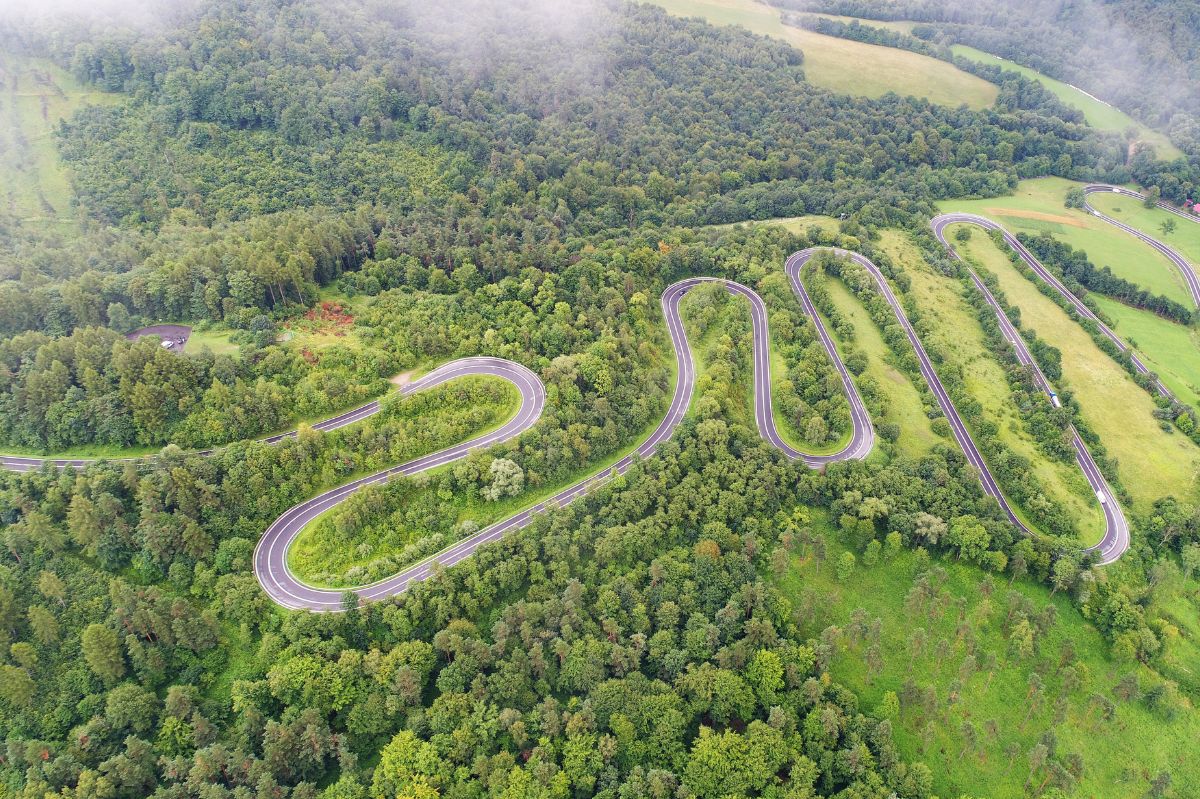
x: 270, y: 557
x: 1115, y: 541
x: 499, y: 367
x: 939, y: 224
x: 1180, y: 263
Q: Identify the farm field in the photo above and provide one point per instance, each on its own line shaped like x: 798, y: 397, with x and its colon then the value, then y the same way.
x: 1098, y: 113
x: 1037, y: 206
x: 953, y: 732
x: 34, y: 95
x: 957, y: 335
x: 1151, y: 461
x: 846, y: 66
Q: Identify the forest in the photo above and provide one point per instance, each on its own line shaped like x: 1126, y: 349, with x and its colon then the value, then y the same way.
x: 523, y: 182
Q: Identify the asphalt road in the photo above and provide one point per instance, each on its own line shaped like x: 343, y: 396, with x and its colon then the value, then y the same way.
x: 1116, y: 528
x: 940, y: 223
x: 1185, y: 269
x: 270, y: 559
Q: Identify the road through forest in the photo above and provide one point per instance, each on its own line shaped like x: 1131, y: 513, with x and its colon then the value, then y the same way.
x: 270, y: 558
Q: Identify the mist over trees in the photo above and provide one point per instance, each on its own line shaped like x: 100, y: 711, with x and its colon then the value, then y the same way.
x: 519, y: 180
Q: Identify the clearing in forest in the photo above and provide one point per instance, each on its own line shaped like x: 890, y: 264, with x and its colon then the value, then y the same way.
x: 847, y: 66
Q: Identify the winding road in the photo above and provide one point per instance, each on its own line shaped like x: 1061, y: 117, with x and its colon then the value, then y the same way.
x: 1116, y: 527
x: 270, y: 557
x: 1180, y: 263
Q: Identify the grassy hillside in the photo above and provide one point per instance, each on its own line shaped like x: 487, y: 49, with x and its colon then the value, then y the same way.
x: 1152, y: 462
x: 975, y: 718
x: 846, y: 66
x: 902, y: 402
x: 1171, y: 350
x: 958, y: 337
x: 1037, y: 206
x: 1098, y: 113
x: 34, y: 95
x: 1184, y: 236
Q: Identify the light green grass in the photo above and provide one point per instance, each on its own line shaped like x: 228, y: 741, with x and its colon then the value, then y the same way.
x: 1152, y: 463
x: 1170, y: 349
x: 214, y: 339
x: 902, y: 402
x: 957, y: 334
x: 1120, y: 756
x: 1098, y: 113
x: 89, y: 451
x: 898, y: 25
x: 1037, y: 206
x: 847, y: 66
x: 35, y: 95
x: 1184, y: 239
x: 793, y: 224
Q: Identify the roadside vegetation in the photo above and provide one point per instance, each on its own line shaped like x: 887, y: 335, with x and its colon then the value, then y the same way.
x: 384, y: 528
x: 897, y: 407
x: 1152, y: 460
x: 1059, y: 500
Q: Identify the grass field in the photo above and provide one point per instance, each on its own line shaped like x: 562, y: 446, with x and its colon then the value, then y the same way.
x: 1119, y: 757
x: 902, y: 402
x: 1151, y: 461
x: 1184, y: 239
x: 1099, y: 114
x: 214, y: 339
x: 1171, y: 350
x: 898, y: 25
x: 957, y: 334
x: 34, y: 95
x: 793, y: 224
x: 1037, y: 206
x: 846, y: 66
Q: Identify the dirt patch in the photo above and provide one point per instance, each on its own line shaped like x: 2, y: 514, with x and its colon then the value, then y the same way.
x: 403, y: 379
x: 325, y: 318
x: 1039, y: 215
x: 177, y: 335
